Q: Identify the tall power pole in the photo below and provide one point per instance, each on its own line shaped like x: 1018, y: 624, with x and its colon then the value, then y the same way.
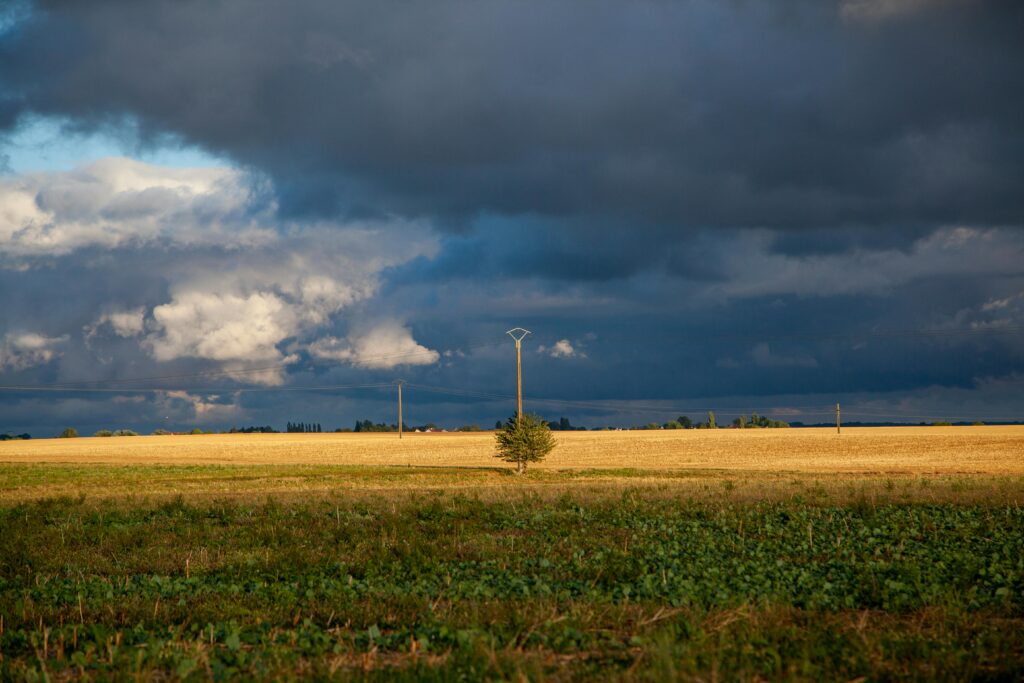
x: 400, y: 383
x: 518, y: 334
x: 837, y: 419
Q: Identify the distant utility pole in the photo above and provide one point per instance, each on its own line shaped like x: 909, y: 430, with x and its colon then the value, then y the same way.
x: 518, y: 334
x: 837, y: 419
x: 400, y: 383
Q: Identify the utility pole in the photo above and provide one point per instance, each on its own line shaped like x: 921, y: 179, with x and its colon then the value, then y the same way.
x: 518, y: 334
x: 400, y: 383
x: 837, y: 419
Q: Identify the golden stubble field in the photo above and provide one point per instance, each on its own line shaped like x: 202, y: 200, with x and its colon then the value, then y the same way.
x: 993, y: 450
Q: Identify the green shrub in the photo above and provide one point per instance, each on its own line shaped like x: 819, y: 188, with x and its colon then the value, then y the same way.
x: 125, y: 432
x: 68, y: 433
x: 104, y: 432
x: 161, y: 432
x: 523, y: 441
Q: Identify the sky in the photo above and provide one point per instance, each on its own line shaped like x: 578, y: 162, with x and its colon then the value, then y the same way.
x: 251, y: 212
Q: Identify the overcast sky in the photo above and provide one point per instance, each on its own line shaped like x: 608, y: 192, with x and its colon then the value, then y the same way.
x: 729, y: 205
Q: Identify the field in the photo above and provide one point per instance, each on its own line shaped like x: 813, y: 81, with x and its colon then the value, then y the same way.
x: 686, y: 555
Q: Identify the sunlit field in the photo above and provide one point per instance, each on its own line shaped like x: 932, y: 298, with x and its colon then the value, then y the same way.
x: 666, y: 555
x: 902, y: 450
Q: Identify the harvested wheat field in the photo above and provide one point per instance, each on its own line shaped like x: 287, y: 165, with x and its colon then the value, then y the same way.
x: 891, y: 450
x: 979, y: 462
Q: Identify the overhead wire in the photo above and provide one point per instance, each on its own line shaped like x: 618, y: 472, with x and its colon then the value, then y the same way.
x: 90, y: 386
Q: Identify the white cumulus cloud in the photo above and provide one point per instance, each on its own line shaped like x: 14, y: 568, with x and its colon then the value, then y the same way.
x: 119, y: 202
x: 222, y: 277
x: 562, y: 348
x: 122, y: 323
x: 19, y: 351
x: 183, y: 405
x: 385, y: 345
x: 221, y: 326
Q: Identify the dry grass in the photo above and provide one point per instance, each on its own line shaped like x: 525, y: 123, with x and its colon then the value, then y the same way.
x: 885, y: 451
x: 911, y: 464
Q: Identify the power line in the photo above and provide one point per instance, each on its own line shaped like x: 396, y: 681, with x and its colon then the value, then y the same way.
x: 815, y: 336
x: 669, y: 409
x: 361, y: 360
x: 596, y: 404
x: 109, y: 386
x: 208, y: 390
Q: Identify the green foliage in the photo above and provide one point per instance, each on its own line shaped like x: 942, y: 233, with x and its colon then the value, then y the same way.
x: 116, y: 432
x: 300, y: 427
x: 627, y: 588
x: 161, y: 432
x: 196, y: 430
x: 68, y: 433
x: 758, y: 422
x: 711, y: 421
x: 371, y: 426
x: 563, y: 425
x: 469, y: 428
x: 524, y: 441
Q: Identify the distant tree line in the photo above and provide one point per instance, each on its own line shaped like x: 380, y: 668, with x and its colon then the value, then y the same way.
x: 371, y: 426
x: 303, y: 427
x: 265, y: 429
x: 684, y: 422
x: 116, y: 432
x: 14, y: 437
x: 562, y: 425
x: 757, y: 422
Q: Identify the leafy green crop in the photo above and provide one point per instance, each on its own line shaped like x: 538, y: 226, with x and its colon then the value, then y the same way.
x: 453, y: 586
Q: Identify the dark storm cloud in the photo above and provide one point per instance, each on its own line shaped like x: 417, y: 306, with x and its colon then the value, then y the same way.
x: 694, y: 114
x: 673, y: 188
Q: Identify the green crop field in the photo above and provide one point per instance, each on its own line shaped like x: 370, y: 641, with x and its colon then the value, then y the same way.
x: 274, y: 572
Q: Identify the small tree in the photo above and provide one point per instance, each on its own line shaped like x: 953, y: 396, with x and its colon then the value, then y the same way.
x: 528, y: 440
x: 711, y: 421
x: 69, y: 433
